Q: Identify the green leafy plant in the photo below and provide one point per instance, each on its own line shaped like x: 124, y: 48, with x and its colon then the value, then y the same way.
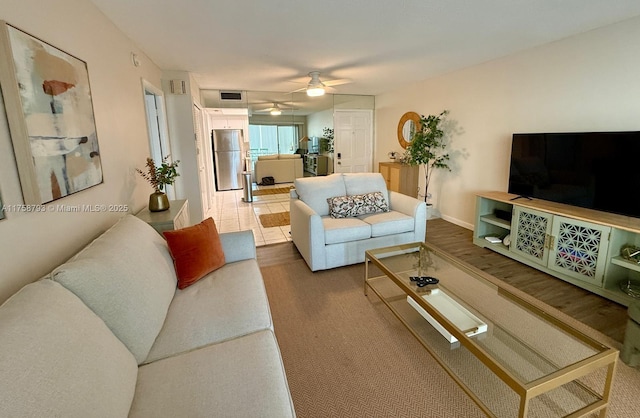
x: 161, y: 176
x: 427, y: 148
x: 327, y: 140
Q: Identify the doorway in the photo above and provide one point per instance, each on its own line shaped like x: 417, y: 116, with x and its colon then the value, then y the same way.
x: 159, y: 145
x: 353, y: 147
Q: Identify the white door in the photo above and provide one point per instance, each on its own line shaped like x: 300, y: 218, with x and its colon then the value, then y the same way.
x: 353, y: 141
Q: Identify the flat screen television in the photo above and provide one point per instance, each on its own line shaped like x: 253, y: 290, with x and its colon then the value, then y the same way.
x: 595, y: 170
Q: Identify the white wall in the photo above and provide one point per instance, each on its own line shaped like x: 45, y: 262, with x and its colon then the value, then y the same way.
x: 587, y: 82
x: 317, y: 121
x: 183, y: 143
x: 32, y: 244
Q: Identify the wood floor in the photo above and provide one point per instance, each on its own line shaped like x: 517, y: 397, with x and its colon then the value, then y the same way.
x: 599, y: 313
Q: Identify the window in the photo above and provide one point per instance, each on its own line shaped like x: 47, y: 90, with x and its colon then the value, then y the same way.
x: 272, y: 139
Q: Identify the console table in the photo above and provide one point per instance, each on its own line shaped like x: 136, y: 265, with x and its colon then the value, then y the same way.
x: 401, y: 178
x: 176, y: 217
x: 580, y: 246
x: 316, y: 164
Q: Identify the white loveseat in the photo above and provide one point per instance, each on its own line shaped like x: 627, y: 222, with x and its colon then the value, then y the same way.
x: 284, y: 168
x: 108, y: 334
x: 326, y: 242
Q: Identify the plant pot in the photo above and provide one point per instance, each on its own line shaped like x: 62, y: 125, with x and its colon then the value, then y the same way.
x: 158, y: 202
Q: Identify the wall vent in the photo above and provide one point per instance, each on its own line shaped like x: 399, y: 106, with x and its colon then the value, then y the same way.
x: 178, y: 86
x: 231, y: 95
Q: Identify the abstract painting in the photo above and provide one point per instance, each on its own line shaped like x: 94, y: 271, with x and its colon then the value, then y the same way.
x: 50, y: 113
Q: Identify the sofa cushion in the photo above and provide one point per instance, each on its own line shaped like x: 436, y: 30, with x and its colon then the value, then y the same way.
x: 227, y: 303
x: 355, y: 205
x: 267, y: 157
x: 126, y: 276
x: 196, y: 251
x: 58, y: 359
x: 388, y: 223
x: 361, y: 183
x: 243, y: 377
x: 344, y: 230
x: 314, y: 191
x: 288, y: 156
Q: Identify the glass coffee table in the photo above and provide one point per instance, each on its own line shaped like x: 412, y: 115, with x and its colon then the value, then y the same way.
x: 513, y: 358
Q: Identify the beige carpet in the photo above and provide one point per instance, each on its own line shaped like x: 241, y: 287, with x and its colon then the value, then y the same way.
x: 277, y: 190
x: 347, y: 356
x: 269, y: 220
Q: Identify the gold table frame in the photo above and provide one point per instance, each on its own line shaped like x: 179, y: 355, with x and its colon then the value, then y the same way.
x: 605, y: 356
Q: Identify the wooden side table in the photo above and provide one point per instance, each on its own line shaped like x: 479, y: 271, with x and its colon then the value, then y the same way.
x: 176, y: 217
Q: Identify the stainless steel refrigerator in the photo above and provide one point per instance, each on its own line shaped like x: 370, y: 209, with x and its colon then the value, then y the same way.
x: 227, y: 158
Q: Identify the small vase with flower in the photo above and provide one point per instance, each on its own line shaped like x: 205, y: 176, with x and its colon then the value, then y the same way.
x: 158, y: 178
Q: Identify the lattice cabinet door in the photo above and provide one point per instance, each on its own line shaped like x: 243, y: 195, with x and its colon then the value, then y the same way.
x: 579, y: 249
x: 530, y: 231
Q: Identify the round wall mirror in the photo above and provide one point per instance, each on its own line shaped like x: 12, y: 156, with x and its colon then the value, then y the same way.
x: 408, y: 125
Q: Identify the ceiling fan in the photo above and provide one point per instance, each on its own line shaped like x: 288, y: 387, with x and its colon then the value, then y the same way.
x: 275, y: 109
x: 317, y: 87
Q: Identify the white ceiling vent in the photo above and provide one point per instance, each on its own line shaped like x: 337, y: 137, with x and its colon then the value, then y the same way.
x: 235, y: 96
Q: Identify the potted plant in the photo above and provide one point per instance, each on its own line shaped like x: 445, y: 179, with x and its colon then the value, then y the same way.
x: 159, y: 177
x: 327, y: 140
x: 427, y: 148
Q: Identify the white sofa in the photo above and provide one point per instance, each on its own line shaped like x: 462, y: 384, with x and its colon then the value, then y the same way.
x: 326, y: 242
x: 284, y: 168
x: 108, y: 334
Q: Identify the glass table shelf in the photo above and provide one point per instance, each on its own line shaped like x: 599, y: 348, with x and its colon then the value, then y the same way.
x: 527, y: 363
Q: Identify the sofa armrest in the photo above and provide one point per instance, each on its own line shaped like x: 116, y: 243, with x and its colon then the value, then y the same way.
x: 239, y: 245
x: 413, y: 207
x: 307, y: 233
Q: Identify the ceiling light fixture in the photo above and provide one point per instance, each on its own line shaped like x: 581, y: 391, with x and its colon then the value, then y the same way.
x: 315, y: 87
x: 315, y: 91
x: 275, y: 111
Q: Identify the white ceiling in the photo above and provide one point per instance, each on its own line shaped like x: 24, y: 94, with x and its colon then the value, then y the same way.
x: 262, y: 45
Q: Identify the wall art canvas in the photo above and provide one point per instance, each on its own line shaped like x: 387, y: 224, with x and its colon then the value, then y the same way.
x: 50, y: 113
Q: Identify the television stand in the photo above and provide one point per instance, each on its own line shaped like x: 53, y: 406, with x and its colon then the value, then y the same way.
x: 580, y: 246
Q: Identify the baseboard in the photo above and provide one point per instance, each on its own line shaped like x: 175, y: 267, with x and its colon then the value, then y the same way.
x: 458, y: 222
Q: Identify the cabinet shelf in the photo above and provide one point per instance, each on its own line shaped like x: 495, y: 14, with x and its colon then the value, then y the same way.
x: 316, y: 164
x: 494, y: 244
x: 494, y: 220
x: 622, y: 262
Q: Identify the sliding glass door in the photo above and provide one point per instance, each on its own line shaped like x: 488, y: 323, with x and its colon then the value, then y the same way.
x: 272, y: 139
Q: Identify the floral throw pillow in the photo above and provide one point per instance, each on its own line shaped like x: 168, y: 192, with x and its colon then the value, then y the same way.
x: 361, y: 204
x: 369, y: 203
x: 340, y: 206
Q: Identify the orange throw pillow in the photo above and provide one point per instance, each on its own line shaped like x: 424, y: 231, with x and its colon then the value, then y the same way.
x: 196, y: 251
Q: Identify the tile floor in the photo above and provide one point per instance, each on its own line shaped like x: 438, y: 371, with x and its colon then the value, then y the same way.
x: 231, y: 213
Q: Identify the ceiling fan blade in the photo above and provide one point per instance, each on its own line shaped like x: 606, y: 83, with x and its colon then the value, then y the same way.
x: 338, y: 82
x: 298, y: 90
